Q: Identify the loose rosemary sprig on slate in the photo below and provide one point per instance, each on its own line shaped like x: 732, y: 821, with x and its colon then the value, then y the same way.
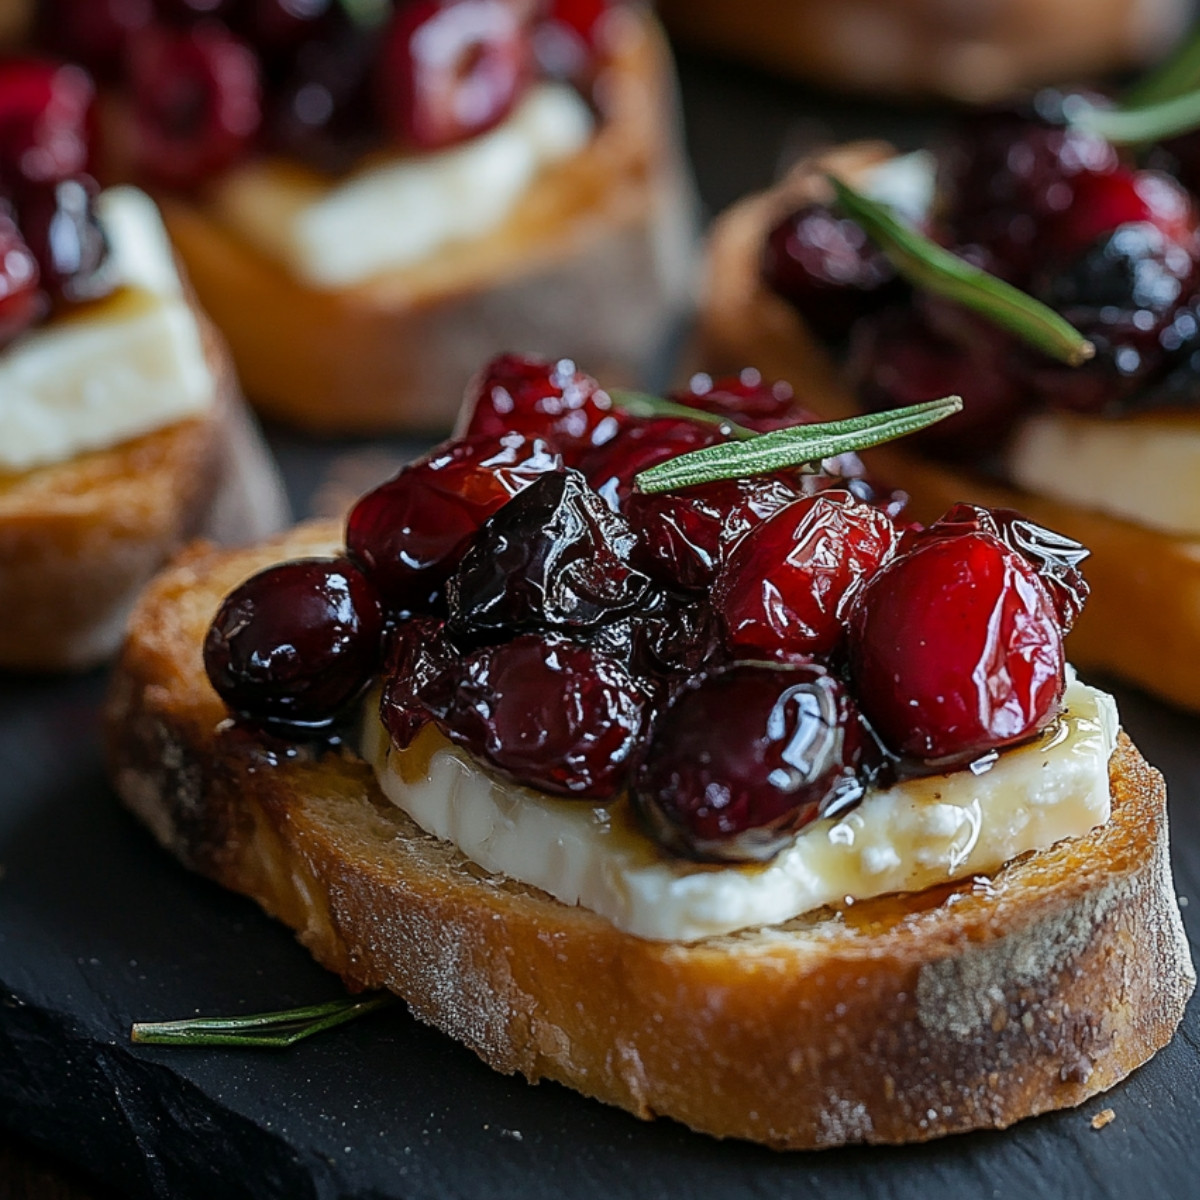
x: 796, y: 446
x: 274, y: 1030
x: 935, y: 269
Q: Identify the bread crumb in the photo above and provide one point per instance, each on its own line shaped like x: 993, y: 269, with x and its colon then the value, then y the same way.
x: 1102, y: 1118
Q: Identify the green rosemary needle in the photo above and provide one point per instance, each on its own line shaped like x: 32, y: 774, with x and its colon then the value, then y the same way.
x: 796, y: 446
x: 1180, y: 73
x: 1134, y: 126
x: 642, y: 404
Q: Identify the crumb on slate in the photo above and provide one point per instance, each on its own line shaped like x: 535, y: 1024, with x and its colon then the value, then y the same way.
x: 1105, y: 1117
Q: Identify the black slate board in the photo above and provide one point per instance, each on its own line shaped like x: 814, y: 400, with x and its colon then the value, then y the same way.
x: 98, y: 928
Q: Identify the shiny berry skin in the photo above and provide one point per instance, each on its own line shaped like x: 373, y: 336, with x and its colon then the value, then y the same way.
x: 547, y: 711
x: 568, y: 36
x: 45, y: 121
x: 956, y: 650
x: 788, y: 585
x: 450, y: 69
x: 92, y: 32
x: 409, y: 533
x: 197, y: 101
x: 539, y: 398
x: 419, y: 655
x: 828, y: 270
x: 292, y: 645
x: 554, y: 557
x: 746, y: 398
x: 642, y: 443
x: 63, y: 230
x: 22, y: 303
x: 746, y: 758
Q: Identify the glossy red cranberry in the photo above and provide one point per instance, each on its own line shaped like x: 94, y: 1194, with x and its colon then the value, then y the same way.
x: 450, y: 69
x: 419, y: 655
x: 410, y: 532
x: 956, y: 650
x: 197, y: 100
x: 64, y: 233
x: 290, y: 647
x: 788, y: 585
x: 45, y: 121
x: 554, y: 557
x: 746, y: 758
x: 92, y: 32
x: 642, y: 443
x: 828, y: 270
x: 539, y: 398
x: 547, y: 711
x: 568, y: 36
x: 746, y: 398
x: 22, y: 303
x: 1054, y: 556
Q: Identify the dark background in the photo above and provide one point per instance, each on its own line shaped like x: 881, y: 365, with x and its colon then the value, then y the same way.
x: 98, y: 928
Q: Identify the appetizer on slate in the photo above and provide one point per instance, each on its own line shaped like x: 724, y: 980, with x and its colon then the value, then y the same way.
x: 636, y: 757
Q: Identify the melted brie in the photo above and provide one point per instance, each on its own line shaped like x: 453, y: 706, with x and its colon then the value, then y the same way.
x: 112, y: 370
x: 397, y: 213
x: 909, y: 837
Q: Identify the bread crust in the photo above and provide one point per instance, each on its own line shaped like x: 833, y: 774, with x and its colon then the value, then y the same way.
x: 895, y: 1020
x: 1142, y: 621
x: 79, y: 539
x: 965, y: 51
x: 596, y: 262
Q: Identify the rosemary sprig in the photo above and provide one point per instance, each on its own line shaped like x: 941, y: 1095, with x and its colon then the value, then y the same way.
x: 642, y: 404
x: 796, y: 446
x: 1134, y: 126
x: 1178, y: 74
x: 273, y: 1030
x: 935, y: 269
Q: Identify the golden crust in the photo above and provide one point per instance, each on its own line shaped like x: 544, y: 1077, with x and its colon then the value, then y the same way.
x: 895, y: 1020
x: 1142, y: 621
x: 594, y: 263
x: 79, y: 539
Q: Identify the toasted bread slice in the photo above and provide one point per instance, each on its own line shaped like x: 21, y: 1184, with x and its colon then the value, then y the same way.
x: 899, y: 1019
x: 595, y: 260
x: 79, y: 539
x: 1142, y: 621
x: 974, y: 52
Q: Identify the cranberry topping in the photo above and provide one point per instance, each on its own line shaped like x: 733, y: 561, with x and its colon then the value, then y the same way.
x: 956, y: 650
x: 565, y: 40
x: 747, y: 757
x: 92, y: 32
x: 21, y: 301
x: 45, y: 122
x: 63, y: 232
x: 410, y: 532
x: 419, y: 656
x: 450, y: 69
x: 197, y: 100
x: 545, y: 399
x: 554, y: 557
x: 548, y: 711
x: 746, y: 398
x: 290, y: 647
x: 788, y: 585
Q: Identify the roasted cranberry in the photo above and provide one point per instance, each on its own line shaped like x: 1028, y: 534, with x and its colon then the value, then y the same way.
x: 827, y: 269
x: 539, y: 398
x: 21, y: 301
x: 45, y: 121
x: 956, y: 650
x: 65, y: 235
x: 566, y: 39
x: 547, y: 711
x: 419, y: 656
x: 676, y: 639
x: 748, y: 757
x: 746, y: 398
x: 290, y: 647
x: 450, y: 70
x: 92, y: 32
x: 410, y: 532
x: 554, y: 557
x: 197, y: 100
x: 1054, y: 556
x: 788, y: 585
x: 643, y: 442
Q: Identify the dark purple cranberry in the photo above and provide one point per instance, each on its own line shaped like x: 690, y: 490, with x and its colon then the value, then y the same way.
x: 548, y: 712
x: 65, y: 235
x: 410, y: 532
x: 642, y: 443
x: 828, y: 270
x: 745, y: 398
x: 746, y: 758
x: 554, y: 557
x: 22, y: 303
x: 539, y: 398
x: 677, y: 639
x: 450, y: 69
x: 1054, y: 556
x: 197, y: 101
x: 788, y: 586
x: 294, y: 644
x: 419, y: 655
x: 92, y: 32
x: 45, y: 121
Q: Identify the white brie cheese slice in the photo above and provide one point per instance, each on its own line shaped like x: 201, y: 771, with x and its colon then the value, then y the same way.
x: 909, y: 837
x: 116, y: 369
